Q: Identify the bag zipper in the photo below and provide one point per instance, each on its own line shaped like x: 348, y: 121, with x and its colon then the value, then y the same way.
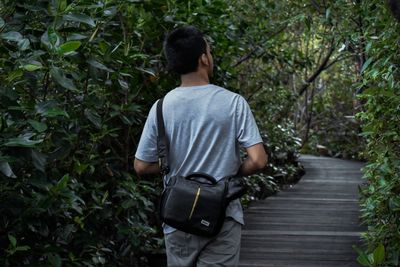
x: 195, y: 202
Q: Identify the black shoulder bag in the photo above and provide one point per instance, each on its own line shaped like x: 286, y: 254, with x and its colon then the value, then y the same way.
x: 196, y: 203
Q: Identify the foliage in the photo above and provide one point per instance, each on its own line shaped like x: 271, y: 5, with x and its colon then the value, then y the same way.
x: 380, y: 116
x: 373, y: 259
x: 333, y: 123
x: 70, y: 110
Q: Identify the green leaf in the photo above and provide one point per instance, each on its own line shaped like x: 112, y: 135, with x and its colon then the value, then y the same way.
x: 366, y: 64
x: 105, y: 196
x: 363, y: 260
x: 362, y: 256
x: 80, y: 168
x: 125, y: 119
x: 38, y: 126
x: 98, y: 65
x: 39, y: 160
x: 32, y: 67
x: 62, y: 183
x: 327, y: 13
x: 50, y: 39
x: 23, y: 44
x: 23, y: 248
x: 13, y: 240
x: 59, y: 77
x: 128, y: 204
x: 11, y: 36
x: 23, y: 141
x: 54, y: 112
x: 53, y: 37
x: 61, y: 152
x: 379, y: 254
x: 62, y: 4
x: 2, y: 23
x: 98, y: 259
x: 76, y: 36
x: 54, y: 260
x: 395, y: 258
x: 93, y: 117
x: 80, y: 18
x: 124, y: 85
x: 5, y: 168
x: 69, y: 46
x: 368, y: 47
x: 371, y: 258
x: 14, y: 75
x: 50, y: 109
x: 148, y: 71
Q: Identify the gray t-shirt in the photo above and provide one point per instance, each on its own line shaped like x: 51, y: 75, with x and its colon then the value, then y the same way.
x: 205, y: 126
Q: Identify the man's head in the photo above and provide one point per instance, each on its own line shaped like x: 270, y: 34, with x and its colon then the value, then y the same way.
x: 395, y: 7
x: 187, y: 51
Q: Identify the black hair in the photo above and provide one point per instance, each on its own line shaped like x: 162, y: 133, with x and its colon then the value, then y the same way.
x: 183, y: 48
x: 395, y: 7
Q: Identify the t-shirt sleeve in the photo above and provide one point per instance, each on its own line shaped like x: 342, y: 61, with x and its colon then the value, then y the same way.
x: 147, y: 148
x: 246, y: 128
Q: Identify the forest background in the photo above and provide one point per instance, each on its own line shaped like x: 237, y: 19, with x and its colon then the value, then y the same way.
x: 79, y: 76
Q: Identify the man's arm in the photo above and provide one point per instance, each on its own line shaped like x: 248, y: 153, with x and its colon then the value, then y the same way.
x: 143, y: 168
x: 146, y: 156
x: 256, y: 160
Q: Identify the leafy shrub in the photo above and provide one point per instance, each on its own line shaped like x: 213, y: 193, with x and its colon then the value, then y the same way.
x: 380, y: 116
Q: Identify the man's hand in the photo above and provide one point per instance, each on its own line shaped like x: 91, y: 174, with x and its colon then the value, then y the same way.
x: 256, y: 160
x: 143, y: 168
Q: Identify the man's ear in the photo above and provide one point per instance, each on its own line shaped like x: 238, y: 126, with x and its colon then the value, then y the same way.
x: 204, y: 60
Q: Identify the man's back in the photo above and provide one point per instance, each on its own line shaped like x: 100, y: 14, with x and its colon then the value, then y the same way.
x: 201, y: 126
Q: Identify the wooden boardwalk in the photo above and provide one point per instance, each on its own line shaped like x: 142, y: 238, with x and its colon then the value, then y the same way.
x: 312, y: 224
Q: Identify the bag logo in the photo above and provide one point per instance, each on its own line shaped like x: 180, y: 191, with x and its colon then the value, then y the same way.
x: 204, y: 222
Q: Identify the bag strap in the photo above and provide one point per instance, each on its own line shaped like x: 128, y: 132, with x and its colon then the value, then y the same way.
x: 162, y: 144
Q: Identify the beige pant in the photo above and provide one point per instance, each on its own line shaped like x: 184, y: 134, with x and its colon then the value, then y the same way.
x: 187, y: 250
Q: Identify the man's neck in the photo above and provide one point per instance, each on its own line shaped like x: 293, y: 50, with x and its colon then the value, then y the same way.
x: 194, y: 79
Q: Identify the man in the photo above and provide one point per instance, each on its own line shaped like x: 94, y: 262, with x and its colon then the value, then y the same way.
x: 205, y: 126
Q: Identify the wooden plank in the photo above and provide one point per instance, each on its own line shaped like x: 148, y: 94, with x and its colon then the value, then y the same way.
x: 304, y: 227
x: 314, y: 233
x: 292, y: 205
x: 313, y: 194
x: 299, y: 256
x: 321, y: 199
x: 306, y: 219
x: 297, y: 263
x: 336, y: 181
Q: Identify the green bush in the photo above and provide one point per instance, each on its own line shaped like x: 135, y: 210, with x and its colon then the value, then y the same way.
x: 380, y: 116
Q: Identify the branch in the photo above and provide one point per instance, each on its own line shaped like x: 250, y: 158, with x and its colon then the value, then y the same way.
x: 309, y: 119
x: 336, y: 61
x: 255, y: 92
x: 45, y: 84
x: 243, y: 59
x: 124, y: 32
x: 317, y: 72
x: 252, y: 52
x: 316, y: 5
